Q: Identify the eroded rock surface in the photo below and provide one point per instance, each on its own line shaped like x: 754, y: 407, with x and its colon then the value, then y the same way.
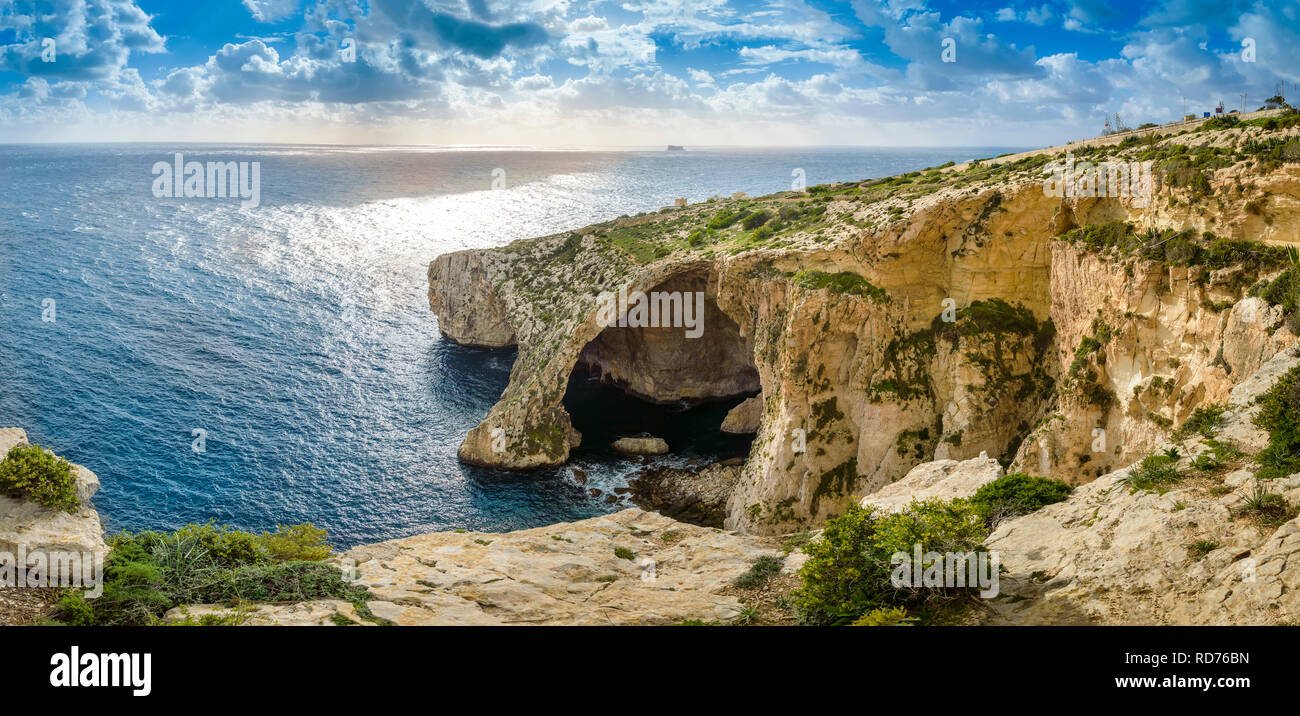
x: 631, y: 567
x: 1111, y: 555
x: 937, y: 319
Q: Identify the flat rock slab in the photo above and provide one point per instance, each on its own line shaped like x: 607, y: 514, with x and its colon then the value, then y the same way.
x: 567, y: 573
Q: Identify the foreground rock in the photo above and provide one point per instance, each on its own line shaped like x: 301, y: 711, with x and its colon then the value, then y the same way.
x: 695, y: 496
x: 1111, y: 556
x: 941, y: 479
x: 567, y: 573
x: 640, y: 446
x: 744, y: 419
x: 38, y: 529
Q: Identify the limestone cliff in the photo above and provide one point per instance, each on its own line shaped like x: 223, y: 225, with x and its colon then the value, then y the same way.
x: 939, y: 314
x: 1111, y: 554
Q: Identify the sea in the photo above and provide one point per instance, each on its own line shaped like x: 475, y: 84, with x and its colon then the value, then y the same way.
x: 212, y: 360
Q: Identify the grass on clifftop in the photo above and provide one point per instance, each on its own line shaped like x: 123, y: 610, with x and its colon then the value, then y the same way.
x: 1177, y: 248
x: 148, y: 573
x: 31, y: 472
x: 844, y: 282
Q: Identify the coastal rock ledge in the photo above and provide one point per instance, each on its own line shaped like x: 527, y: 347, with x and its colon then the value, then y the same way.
x: 628, y: 568
x: 39, y: 529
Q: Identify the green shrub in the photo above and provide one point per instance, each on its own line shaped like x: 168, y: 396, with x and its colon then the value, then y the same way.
x: 755, y: 220
x: 845, y: 575
x: 1203, y: 421
x: 848, y: 571
x: 1269, y: 509
x: 842, y: 282
x: 762, y: 569
x: 893, y: 616
x: 1155, y: 471
x: 1200, y: 548
x: 31, y: 472
x: 1017, y: 494
x: 1279, y: 414
x: 726, y: 218
x: 305, y: 542
x: 146, y: 574
x: 279, y: 582
x: 623, y: 553
x: 996, y: 316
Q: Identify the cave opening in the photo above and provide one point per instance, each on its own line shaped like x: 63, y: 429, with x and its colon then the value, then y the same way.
x: 661, y: 381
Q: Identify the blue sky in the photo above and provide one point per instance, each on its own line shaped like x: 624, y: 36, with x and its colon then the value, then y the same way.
x: 629, y: 72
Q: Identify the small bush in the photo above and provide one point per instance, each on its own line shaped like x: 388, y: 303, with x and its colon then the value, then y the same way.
x: 1269, y: 509
x: 893, y: 616
x: 755, y: 220
x: 623, y: 553
x: 842, y: 282
x: 1279, y: 414
x: 1203, y: 421
x: 726, y: 218
x: 148, y: 573
x: 1155, y: 471
x: 1200, y: 548
x: 305, y: 542
x: 848, y: 571
x: 1017, y: 494
x: 280, y: 582
x: 31, y: 472
x: 763, y: 569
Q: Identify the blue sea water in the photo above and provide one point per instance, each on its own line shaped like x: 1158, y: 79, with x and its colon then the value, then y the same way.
x: 297, y: 336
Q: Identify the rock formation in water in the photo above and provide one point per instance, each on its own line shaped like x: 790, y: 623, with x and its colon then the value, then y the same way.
x: 936, y: 315
x: 695, y: 495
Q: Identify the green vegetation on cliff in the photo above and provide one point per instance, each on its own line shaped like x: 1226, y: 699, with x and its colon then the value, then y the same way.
x: 1279, y: 414
x: 848, y: 571
x: 146, y: 574
x: 1177, y: 248
x: 32, y: 472
x: 1017, y: 494
x: 843, y: 282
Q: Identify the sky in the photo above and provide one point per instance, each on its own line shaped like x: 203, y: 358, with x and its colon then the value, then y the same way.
x: 630, y: 72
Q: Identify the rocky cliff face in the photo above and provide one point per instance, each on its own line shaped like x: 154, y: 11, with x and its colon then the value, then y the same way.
x: 1114, y: 555
x: 891, y: 322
